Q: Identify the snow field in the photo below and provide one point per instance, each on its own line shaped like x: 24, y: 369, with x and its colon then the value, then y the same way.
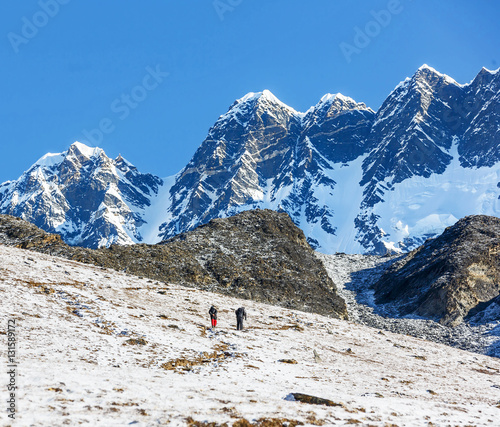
x: 81, y: 360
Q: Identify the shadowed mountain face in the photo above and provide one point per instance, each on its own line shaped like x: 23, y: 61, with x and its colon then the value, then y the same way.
x: 354, y: 180
x: 259, y: 255
x: 450, y: 277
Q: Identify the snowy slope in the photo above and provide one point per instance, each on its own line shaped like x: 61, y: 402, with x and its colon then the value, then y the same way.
x: 81, y: 361
x: 421, y: 207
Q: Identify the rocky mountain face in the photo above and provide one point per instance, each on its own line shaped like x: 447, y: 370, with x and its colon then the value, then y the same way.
x: 259, y: 255
x: 449, y: 278
x: 262, y: 153
x: 83, y: 195
x: 354, y: 180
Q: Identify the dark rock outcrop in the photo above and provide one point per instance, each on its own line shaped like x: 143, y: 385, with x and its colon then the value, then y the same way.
x: 447, y: 277
x: 259, y: 255
x: 313, y: 400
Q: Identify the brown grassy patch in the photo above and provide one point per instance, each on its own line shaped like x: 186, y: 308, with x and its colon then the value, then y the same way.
x: 125, y: 404
x: 193, y: 423
x: 135, y: 341
x: 484, y: 371
x: 289, y: 361
x: 420, y: 357
x: 268, y: 422
x: 220, y: 354
x: 295, y: 327
x: 311, y: 419
x: 203, y: 330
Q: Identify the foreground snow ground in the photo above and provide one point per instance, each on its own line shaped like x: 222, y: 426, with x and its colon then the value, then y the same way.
x: 98, y: 347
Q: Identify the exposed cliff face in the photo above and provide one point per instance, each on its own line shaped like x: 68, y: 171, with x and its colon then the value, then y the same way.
x: 448, y: 277
x: 258, y: 255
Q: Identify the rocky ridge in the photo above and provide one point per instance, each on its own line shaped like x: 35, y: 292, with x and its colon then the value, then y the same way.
x: 259, y: 255
x: 355, y: 276
x: 447, y: 277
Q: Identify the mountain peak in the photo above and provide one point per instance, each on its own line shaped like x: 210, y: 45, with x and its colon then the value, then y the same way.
x: 330, y: 97
x: 263, y: 98
x: 426, y: 71
x: 264, y: 95
x: 427, y: 67
x: 342, y: 102
x: 485, y: 70
x: 49, y: 159
x: 78, y: 148
x: 252, y: 101
x: 332, y: 104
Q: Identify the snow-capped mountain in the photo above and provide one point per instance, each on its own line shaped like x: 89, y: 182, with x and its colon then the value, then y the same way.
x: 354, y: 180
x: 264, y: 154
x: 88, y: 198
x: 435, y: 159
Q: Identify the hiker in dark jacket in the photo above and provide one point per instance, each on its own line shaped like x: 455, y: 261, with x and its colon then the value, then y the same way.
x: 213, y: 316
x: 240, y: 315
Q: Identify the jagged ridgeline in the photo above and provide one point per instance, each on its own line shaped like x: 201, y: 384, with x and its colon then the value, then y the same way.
x: 449, y: 278
x: 259, y: 255
x: 353, y: 179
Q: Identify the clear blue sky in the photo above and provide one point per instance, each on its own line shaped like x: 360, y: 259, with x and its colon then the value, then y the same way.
x: 70, y: 66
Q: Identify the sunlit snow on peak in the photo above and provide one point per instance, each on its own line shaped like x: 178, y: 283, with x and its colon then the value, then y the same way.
x: 85, y: 150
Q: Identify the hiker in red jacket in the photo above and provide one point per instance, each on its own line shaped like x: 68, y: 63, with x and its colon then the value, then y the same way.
x: 213, y: 316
